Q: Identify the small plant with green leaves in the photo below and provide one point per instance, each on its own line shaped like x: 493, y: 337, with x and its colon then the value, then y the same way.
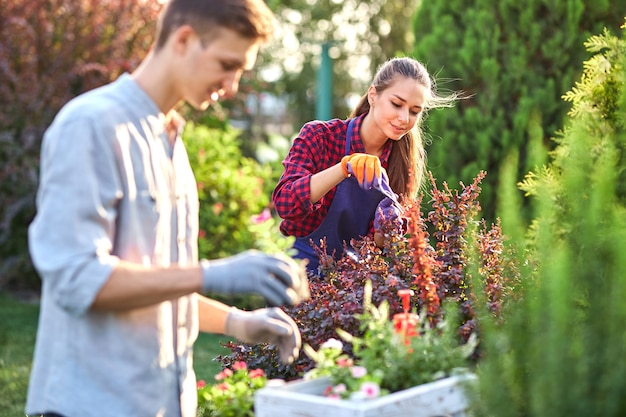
x: 560, y: 349
x: 392, y: 355
x: 233, y: 393
x: 438, y: 273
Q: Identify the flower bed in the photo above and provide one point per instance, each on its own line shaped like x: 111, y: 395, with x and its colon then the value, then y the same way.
x: 304, y: 398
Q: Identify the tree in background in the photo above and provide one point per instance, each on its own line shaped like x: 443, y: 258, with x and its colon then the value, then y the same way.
x: 51, y: 51
x: 362, y: 35
x: 515, y: 60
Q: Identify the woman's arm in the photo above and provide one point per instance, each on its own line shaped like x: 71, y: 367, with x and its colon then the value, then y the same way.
x: 324, y: 181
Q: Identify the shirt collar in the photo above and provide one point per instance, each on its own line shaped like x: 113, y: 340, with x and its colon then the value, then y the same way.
x: 357, y: 144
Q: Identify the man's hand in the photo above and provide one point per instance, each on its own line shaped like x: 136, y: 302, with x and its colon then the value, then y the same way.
x: 266, y: 325
x: 364, y: 167
x: 279, y: 279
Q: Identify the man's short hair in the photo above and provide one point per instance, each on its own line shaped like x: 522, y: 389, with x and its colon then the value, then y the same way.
x: 251, y: 19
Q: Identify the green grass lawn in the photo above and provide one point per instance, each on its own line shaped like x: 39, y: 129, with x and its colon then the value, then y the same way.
x: 18, y: 325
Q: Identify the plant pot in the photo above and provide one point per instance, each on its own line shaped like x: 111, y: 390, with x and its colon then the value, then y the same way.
x: 303, y: 398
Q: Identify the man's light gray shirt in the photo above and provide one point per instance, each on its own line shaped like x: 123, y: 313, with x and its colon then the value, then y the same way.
x: 112, y: 188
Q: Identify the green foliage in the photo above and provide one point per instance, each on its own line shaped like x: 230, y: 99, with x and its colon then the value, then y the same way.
x: 392, y: 356
x: 17, y: 341
x: 361, y: 36
x: 559, y: 350
x: 436, y: 273
x: 50, y: 51
x: 514, y: 60
x: 233, y: 393
x: 234, y: 195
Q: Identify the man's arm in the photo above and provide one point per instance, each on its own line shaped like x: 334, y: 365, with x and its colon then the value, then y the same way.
x: 212, y: 315
x: 133, y: 286
x: 265, y: 325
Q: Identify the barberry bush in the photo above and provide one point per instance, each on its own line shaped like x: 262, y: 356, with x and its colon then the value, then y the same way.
x: 51, y: 51
x: 432, y: 258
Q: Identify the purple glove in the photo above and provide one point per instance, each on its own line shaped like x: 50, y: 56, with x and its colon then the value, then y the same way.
x: 387, y: 211
x: 381, y: 184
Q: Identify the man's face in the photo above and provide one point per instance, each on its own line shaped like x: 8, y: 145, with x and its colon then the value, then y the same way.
x: 211, y: 70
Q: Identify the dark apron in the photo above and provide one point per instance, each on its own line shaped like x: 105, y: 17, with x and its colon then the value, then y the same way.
x: 349, y: 216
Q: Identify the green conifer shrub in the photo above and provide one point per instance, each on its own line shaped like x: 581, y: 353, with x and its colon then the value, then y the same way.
x: 560, y: 348
x: 514, y: 59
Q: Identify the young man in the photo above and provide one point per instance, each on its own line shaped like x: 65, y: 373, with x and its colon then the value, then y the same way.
x: 115, y: 236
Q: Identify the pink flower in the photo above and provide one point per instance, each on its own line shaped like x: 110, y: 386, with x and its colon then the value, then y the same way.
x: 370, y: 389
x: 224, y: 374
x: 262, y: 217
x: 224, y: 386
x: 328, y: 390
x: 201, y: 233
x: 256, y: 373
x: 340, y: 388
x: 240, y: 365
x: 200, y: 384
x: 358, y: 371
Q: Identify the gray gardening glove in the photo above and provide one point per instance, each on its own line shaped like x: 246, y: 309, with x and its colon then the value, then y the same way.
x: 266, y: 325
x: 279, y: 279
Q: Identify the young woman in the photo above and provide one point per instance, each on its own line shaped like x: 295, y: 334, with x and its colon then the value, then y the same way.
x: 339, y: 173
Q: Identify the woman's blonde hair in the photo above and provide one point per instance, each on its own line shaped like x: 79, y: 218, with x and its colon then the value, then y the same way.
x: 407, y: 162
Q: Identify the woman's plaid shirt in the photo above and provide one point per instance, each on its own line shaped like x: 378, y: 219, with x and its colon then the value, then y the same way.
x: 318, y: 146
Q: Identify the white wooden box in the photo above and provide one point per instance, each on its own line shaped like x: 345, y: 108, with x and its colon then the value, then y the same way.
x: 302, y: 398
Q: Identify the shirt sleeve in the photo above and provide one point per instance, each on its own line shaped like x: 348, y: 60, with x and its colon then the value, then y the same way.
x: 292, y: 195
x: 72, y: 235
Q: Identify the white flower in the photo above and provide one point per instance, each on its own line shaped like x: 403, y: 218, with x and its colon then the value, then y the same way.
x: 340, y: 388
x: 332, y: 343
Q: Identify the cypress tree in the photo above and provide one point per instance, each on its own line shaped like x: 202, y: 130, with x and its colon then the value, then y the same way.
x: 560, y: 349
x: 514, y: 60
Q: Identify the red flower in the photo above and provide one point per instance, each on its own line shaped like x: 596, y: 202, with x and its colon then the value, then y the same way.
x: 405, y: 324
x: 224, y: 386
x: 200, y: 384
x: 344, y: 362
x: 240, y: 365
x: 406, y: 295
x: 224, y: 374
x: 217, y: 208
x: 256, y: 373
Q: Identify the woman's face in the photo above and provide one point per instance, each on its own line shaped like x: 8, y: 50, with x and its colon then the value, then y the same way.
x: 396, y: 109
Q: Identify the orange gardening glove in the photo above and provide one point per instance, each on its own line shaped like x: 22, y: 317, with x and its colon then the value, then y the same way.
x: 365, y: 168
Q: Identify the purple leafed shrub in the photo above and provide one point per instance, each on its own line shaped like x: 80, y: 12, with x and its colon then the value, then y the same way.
x: 431, y: 259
